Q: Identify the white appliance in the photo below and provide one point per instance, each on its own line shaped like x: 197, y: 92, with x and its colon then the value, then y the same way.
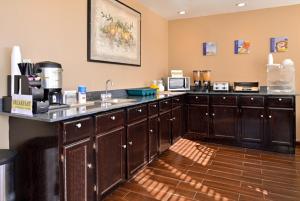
x: 178, y: 83
x: 221, y: 86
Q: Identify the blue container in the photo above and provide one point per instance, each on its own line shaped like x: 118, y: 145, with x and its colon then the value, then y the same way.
x: 141, y: 92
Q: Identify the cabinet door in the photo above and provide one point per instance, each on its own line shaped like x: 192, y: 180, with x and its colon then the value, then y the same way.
x: 77, y: 171
x: 224, y: 122
x: 165, y: 131
x: 177, y: 124
x: 198, y: 120
x: 153, y: 137
x: 252, y: 125
x: 110, y: 160
x: 137, y: 155
x: 281, y: 126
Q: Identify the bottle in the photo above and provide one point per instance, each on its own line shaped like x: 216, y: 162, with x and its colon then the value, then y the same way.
x: 161, y: 86
x: 154, y: 85
x: 270, y: 59
x: 81, y: 94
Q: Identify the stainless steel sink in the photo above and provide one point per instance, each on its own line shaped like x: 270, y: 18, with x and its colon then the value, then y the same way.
x: 115, y: 101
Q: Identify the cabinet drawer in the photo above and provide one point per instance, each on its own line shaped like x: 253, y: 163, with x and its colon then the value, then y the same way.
x: 177, y: 101
x: 165, y: 105
x: 77, y: 130
x: 110, y: 121
x: 198, y: 99
x: 137, y: 113
x: 153, y: 108
x: 224, y: 100
x: 278, y: 101
x: 255, y: 101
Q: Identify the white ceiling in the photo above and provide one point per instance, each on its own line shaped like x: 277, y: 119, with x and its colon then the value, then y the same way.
x: 169, y: 8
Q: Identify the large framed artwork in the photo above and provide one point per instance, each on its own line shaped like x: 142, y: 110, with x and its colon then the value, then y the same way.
x: 114, y: 33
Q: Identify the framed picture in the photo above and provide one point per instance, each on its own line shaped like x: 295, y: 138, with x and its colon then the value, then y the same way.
x: 242, y: 47
x: 279, y: 44
x: 209, y: 48
x: 114, y: 33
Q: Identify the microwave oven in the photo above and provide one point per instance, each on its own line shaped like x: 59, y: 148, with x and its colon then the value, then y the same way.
x: 178, y: 83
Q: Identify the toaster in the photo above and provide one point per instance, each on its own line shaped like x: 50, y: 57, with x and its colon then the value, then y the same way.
x: 221, y: 86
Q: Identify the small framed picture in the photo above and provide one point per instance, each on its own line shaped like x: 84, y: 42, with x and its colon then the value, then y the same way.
x: 242, y: 47
x: 209, y: 48
x: 279, y: 44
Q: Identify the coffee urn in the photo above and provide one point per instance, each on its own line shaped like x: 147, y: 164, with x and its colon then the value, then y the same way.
x: 51, y: 76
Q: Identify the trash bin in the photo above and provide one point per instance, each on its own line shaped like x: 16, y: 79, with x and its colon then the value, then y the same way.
x: 7, y: 175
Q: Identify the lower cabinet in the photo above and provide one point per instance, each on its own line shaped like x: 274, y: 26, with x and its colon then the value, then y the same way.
x: 137, y: 146
x: 224, y: 122
x: 77, y: 169
x: 177, y: 123
x: 110, y: 160
x: 153, y: 137
x: 198, y: 120
x: 281, y: 127
x: 252, y: 125
x: 165, y: 131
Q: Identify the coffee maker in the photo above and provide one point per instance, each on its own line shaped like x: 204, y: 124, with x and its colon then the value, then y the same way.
x: 197, y: 79
x: 51, y: 81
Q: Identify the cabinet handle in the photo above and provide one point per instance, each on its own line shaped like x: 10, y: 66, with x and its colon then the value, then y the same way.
x: 280, y: 99
x: 90, y: 166
x: 224, y: 98
x: 124, y: 146
x: 252, y: 99
x: 270, y: 116
x: 140, y: 110
x: 262, y: 116
x: 78, y: 125
x: 113, y: 118
x: 151, y: 131
x: 130, y: 143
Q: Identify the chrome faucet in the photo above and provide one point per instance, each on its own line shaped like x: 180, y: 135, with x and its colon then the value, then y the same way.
x: 107, y: 95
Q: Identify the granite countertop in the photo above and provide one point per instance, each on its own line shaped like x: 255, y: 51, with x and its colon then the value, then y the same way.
x: 73, y: 112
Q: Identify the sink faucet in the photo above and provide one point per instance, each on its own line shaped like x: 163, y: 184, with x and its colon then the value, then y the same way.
x: 107, y: 95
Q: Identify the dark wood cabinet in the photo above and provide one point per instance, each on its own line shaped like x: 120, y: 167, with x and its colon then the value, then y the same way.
x: 224, y: 122
x: 198, y: 120
x: 165, y: 131
x: 137, y: 146
x: 110, y: 160
x: 177, y: 124
x: 153, y: 137
x: 281, y: 127
x: 77, y: 170
x: 252, y: 125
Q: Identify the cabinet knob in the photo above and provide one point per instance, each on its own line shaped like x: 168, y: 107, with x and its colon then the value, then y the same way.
x: 124, y: 146
x: 177, y: 99
x: 262, y: 116
x: 197, y: 97
x: 280, y: 99
x: 213, y: 114
x: 224, y: 98
x: 174, y: 118
x: 166, y: 102
x: 154, y: 106
x: 252, y: 99
x: 206, y: 114
x: 151, y: 131
x: 140, y: 110
x: 270, y: 116
x: 90, y: 166
x: 130, y: 143
x: 113, y: 118
x: 78, y: 125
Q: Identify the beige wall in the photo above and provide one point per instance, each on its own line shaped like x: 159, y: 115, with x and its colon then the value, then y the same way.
x: 57, y: 30
x: 186, y: 37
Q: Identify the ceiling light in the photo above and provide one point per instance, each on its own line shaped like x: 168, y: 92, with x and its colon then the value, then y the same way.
x: 242, y: 4
x: 183, y: 12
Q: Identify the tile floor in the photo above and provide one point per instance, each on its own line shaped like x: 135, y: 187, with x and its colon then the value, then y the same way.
x: 201, y: 171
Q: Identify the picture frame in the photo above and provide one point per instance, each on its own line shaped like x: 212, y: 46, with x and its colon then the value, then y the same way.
x: 114, y: 33
x: 209, y: 48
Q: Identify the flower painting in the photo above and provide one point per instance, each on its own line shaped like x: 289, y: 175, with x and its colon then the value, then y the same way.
x: 242, y: 47
x: 114, y: 33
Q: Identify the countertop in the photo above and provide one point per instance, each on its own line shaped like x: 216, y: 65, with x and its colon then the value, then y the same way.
x: 74, y: 112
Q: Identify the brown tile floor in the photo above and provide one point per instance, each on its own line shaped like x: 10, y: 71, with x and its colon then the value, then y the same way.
x: 200, y: 171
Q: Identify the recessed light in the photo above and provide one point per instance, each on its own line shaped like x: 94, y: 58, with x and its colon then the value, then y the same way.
x: 242, y: 4
x: 183, y: 12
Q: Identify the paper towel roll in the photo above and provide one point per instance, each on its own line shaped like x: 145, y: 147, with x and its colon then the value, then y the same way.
x: 15, y: 59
